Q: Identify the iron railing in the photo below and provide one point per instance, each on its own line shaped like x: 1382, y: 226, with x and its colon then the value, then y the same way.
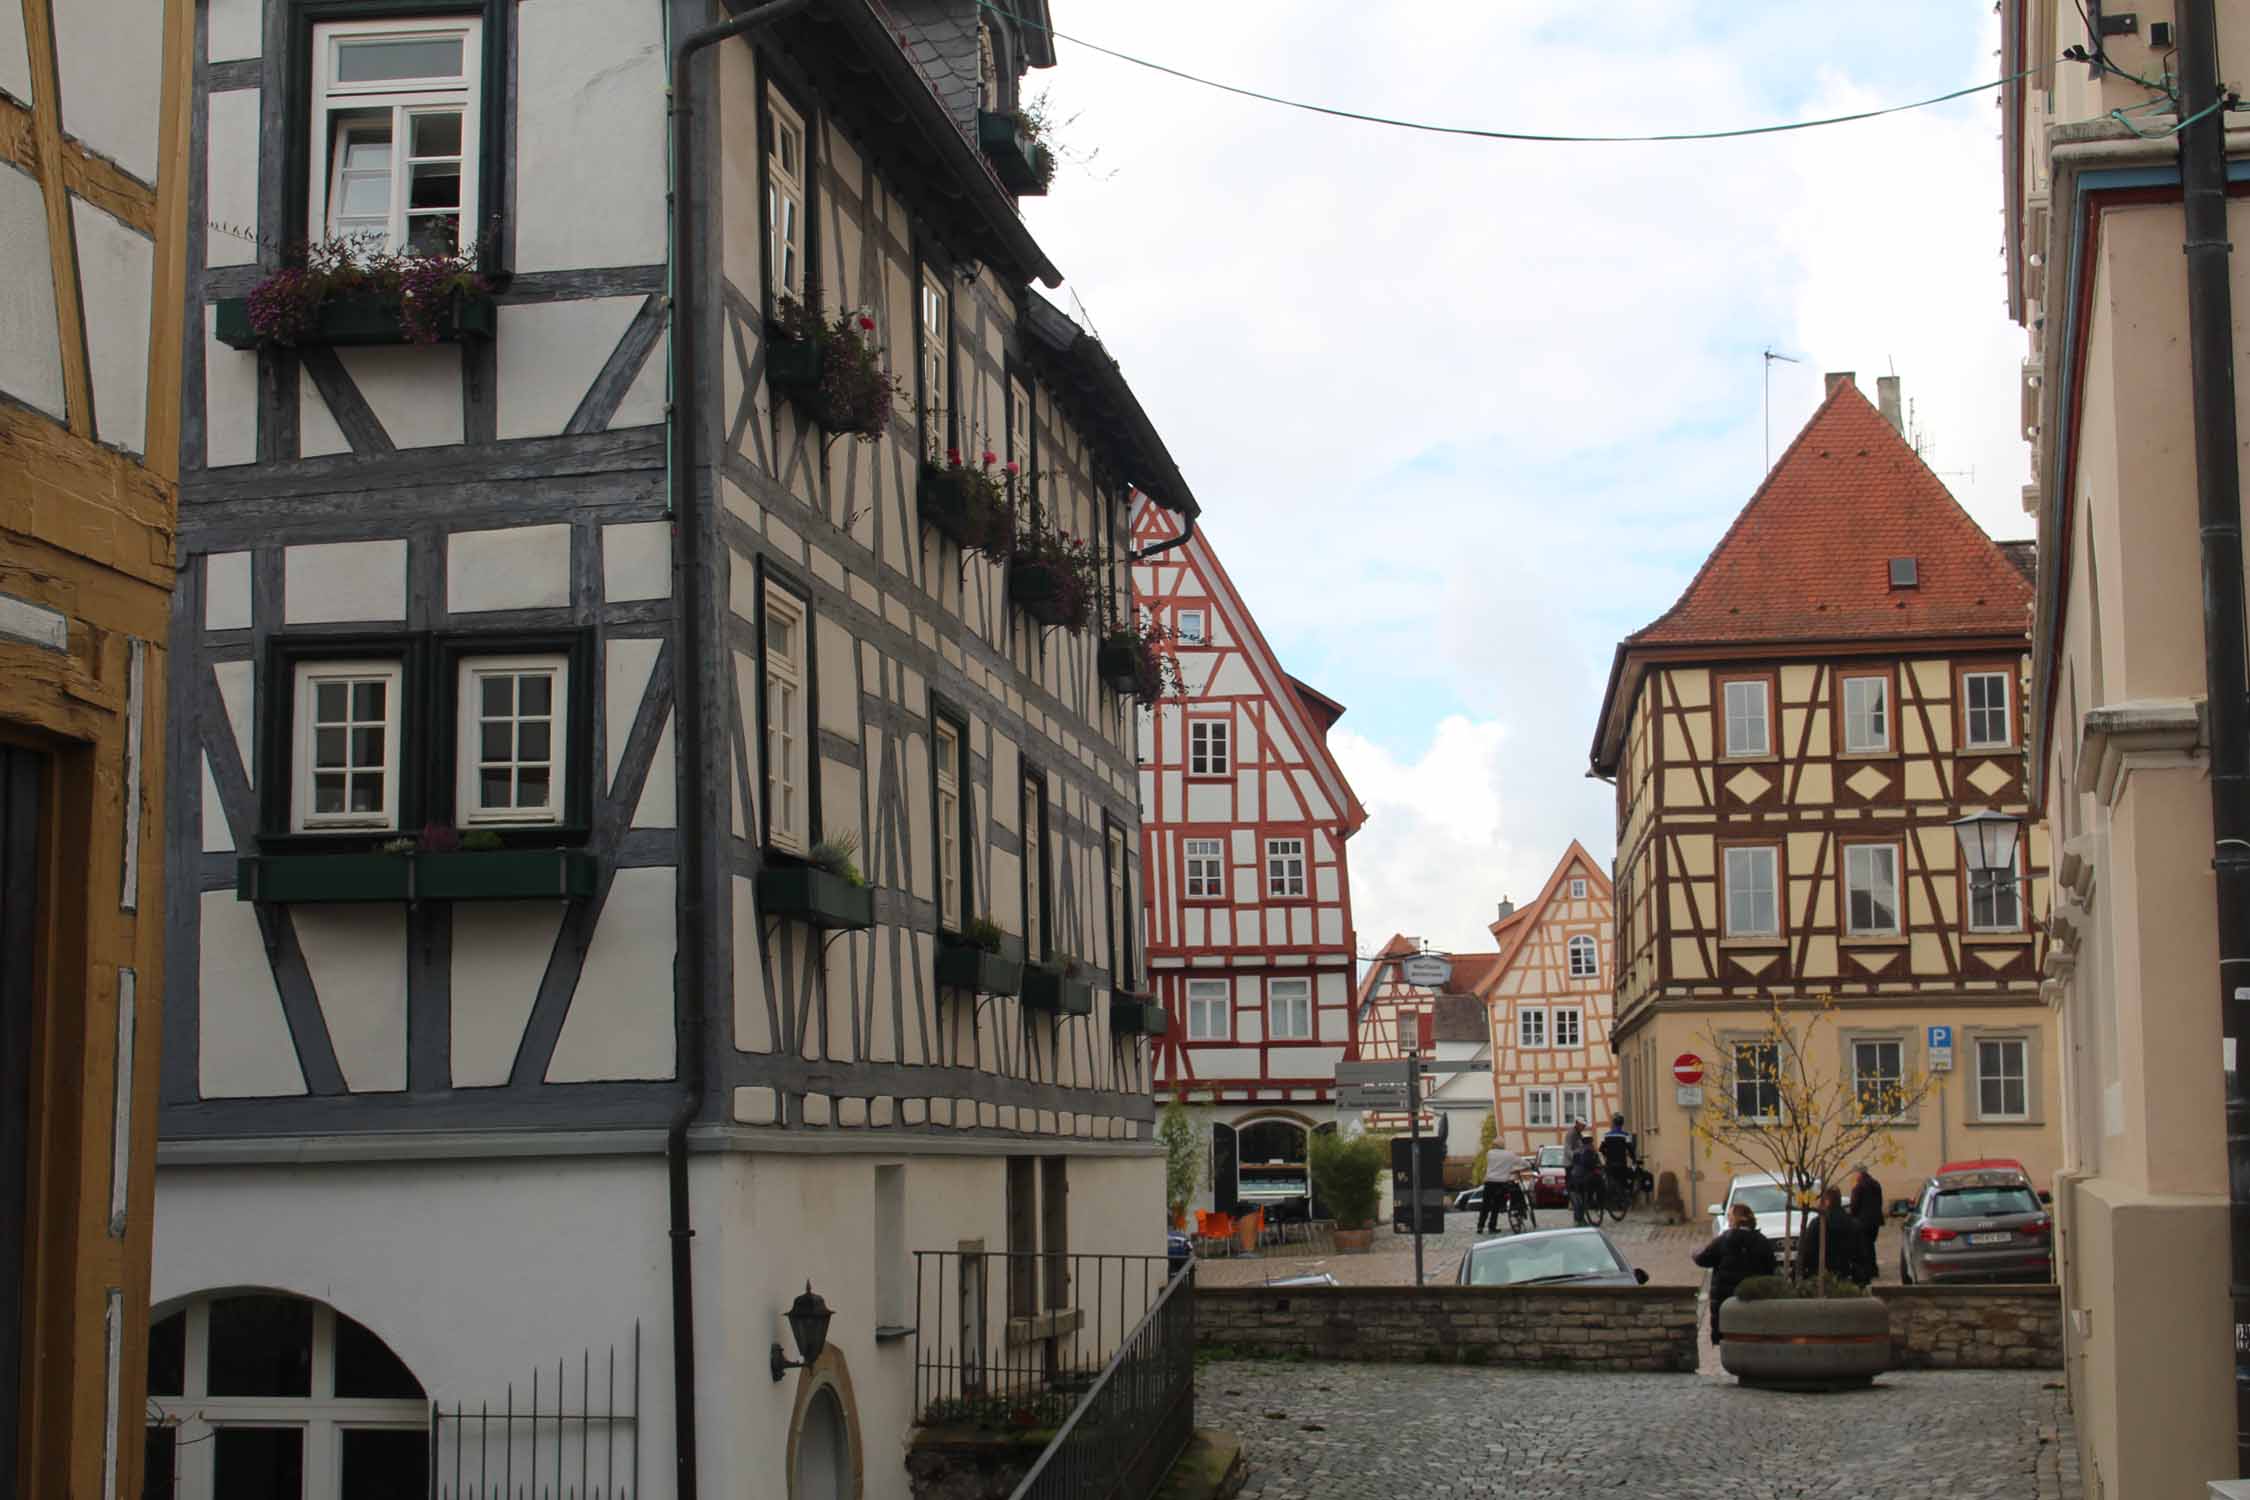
x: 1136, y: 1419
x: 1013, y: 1339
x: 536, y: 1443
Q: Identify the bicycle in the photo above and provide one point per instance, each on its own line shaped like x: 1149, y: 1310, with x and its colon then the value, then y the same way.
x: 1616, y: 1195
x: 1519, y: 1208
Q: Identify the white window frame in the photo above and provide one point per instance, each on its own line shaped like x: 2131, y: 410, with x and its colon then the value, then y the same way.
x: 1539, y: 1108
x: 2007, y: 886
x: 1584, y: 958
x: 2007, y: 712
x: 1867, y: 726
x: 1210, y: 1010
x: 1896, y: 1078
x: 1289, y: 1010
x: 1285, y: 869
x: 1019, y: 428
x: 1031, y: 799
x: 309, y: 674
x: 785, y: 190
x: 468, y: 780
x: 1740, y: 1080
x: 1120, y: 940
x: 1576, y: 1015
x: 1580, y: 1096
x: 937, y: 343
x: 1204, y: 863
x: 1862, y: 864
x: 948, y: 744
x: 1192, y: 629
x: 2021, y: 1077
x: 1729, y: 718
x: 787, y: 743
x: 404, y: 98
x: 1578, y: 888
x: 1210, y: 746
x: 1743, y: 877
x: 1531, y: 1028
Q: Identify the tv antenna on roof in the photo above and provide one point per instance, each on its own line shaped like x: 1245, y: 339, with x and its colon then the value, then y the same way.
x: 1769, y: 356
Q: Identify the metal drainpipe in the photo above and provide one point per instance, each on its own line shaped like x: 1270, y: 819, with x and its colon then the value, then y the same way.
x: 687, y: 588
x: 2203, y: 202
x: 1187, y: 534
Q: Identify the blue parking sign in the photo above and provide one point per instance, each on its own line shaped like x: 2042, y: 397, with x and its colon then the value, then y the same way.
x: 1941, y: 1036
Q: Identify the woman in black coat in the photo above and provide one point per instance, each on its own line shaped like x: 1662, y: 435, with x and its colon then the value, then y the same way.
x: 1736, y: 1254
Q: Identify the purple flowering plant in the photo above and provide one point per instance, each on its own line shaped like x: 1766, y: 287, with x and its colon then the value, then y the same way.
x: 854, y: 392
x: 284, y: 307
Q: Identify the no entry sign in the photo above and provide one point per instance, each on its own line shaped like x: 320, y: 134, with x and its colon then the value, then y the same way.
x: 1687, y: 1069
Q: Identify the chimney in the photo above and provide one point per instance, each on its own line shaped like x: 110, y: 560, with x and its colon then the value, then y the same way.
x: 1886, y: 400
x: 1507, y: 910
x: 1836, y: 378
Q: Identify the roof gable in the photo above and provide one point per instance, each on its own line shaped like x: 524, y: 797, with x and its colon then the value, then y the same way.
x: 1515, y: 929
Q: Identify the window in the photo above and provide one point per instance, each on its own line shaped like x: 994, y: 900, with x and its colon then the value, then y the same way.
x: 1996, y: 900
x: 1986, y: 722
x: 347, y: 745
x: 1757, y: 1080
x: 1206, y: 869
x: 1578, y: 890
x: 394, y: 132
x: 2003, y: 1078
x: 1034, y: 869
x: 1906, y: 573
x: 1570, y: 1026
x: 1120, y: 912
x: 937, y: 342
x: 1746, y: 720
x: 1285, y: 867
x: 1207, y: 747
x: 1878, y: 1077
x: 1531, y: 1027
x: 1191, y: 628
x: 1871, y: 888
x: 949, y: 825
x: 1019, y: 428
x: 1584, y: 964
x: 1578, y: 1104
x: 785, y: 198
x: 512, y: 742
x: 1539, y: 1109
x: 1289, y: 1010
x: 1210, y: 1013
x: 788, y: 722
x: 1752, y: 903
x: 1867, y: 715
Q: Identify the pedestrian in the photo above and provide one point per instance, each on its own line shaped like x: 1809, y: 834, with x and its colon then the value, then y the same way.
x: 1867, y: 1212
x: 1584, y: 1177
x: 1500, y: 1168
x: 1830, y: 1241
x: 1575, y: 1139
x: 1735, y: 1254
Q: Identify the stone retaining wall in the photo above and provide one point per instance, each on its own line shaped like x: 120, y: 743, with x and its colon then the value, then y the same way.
x: 1975, y: 1327
x: 1580, y: 1328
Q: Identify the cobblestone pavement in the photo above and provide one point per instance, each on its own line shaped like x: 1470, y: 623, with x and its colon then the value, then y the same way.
x: 1420, y: 1432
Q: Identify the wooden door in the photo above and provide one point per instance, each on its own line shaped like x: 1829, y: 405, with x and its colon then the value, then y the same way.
x: 21, y: 773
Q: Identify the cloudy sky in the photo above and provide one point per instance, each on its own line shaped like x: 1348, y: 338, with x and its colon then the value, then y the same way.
x: 1461, y: 413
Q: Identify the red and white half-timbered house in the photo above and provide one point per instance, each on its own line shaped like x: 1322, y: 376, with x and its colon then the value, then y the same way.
x: 1245, y: 815
x: 1391, y: 1016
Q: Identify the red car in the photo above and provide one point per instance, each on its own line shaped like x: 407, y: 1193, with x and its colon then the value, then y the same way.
x: 1550, y: 1190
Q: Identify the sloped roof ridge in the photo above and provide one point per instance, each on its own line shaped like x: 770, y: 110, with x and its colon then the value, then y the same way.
x: 1520, y: 923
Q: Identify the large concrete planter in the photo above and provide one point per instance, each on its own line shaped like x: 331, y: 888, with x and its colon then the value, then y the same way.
x: 1806, y: 1344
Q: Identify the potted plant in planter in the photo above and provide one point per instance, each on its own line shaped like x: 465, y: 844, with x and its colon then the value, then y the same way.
x: 826, y: 891
x: 1772, y: 1103
x: 1134, y: 662
x: 972, y: 961
x: 832, y: 369
x: 1347, y: 1175
x: 1185, y: 1160
x: 1058, y: 985
x: 339, y: 292
x: 1053, y: 577
x: 439, y: 864
x: 970, y: 503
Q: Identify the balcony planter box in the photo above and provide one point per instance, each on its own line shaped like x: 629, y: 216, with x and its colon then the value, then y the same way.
x: 1046, y: 988
x: 1131, y: 1015
x: 816, y: 898
x: 977, y: 972
x: 482, y: 875
x: 1023, y: 166
x: 1038, y: 594
x: 352, y: 322
x: 1118, y: 667
x: 944, y: 507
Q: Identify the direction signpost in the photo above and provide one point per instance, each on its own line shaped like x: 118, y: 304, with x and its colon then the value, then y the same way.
x: 1428, y: 971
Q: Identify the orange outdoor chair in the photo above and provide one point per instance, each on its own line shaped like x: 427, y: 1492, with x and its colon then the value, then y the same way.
x: 1214, y: 1230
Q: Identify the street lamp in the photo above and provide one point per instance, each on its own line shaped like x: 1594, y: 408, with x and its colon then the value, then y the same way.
x: 808, y: 1325
x: 1988, y: 846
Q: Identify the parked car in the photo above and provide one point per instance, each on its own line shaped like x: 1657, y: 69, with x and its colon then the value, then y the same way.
x: 1548, y: 1257
x: 1179, y: 1249
x: 1995, y: 1164
x: 1469, y: 1200
x: 1308, y: 1278
x: 1551, y: 1190
x: 1982, y: 1225
x: 1769, y: 1198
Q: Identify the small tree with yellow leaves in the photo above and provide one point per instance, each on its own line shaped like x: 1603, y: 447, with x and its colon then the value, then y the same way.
x: 1778, y: 1098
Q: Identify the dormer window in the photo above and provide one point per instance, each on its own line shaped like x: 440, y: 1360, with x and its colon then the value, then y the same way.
x: 1906, y: 573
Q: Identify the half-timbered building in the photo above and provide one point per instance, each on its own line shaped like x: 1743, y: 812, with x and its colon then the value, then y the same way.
x: 631, y: 866
x: 1248, y: 895
x: 1841, y: 679
x: 1395, y: 1016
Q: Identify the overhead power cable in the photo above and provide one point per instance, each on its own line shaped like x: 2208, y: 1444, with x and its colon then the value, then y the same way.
x: 1501, y: 135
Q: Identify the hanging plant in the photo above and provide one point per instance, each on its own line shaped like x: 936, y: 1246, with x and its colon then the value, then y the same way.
x: 1054, y: 578
x: 971, y: 503
x: 1134, y: 660
x: 833, y: 369
x: 338, y: 291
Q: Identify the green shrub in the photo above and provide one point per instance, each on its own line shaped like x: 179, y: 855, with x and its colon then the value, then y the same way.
x: 1787, y: 1289
x: 1347, y: 1175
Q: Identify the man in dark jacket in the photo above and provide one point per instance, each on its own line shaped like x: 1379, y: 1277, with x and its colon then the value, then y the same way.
x: 1737, y: 1253
x: 1830, y: 1241
x: 1867, y: 1212
x: 1583, y: 1177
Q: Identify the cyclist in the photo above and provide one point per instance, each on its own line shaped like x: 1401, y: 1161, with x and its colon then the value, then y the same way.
x: 1583, y: 1178
x: 1501, y: 1169
x: 1621, y: 1157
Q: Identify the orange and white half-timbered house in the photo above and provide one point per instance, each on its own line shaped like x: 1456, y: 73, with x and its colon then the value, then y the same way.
x: 1393, y: 1015
x: 1245, y: 815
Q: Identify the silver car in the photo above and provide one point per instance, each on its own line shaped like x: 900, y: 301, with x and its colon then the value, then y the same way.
x: 1977, y: 1226
x: 1548, y: 1257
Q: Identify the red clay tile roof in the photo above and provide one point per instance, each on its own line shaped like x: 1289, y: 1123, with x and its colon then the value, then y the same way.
x: 1808, y: 559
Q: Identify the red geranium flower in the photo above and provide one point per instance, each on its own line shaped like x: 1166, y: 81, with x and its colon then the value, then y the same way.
x: 866, y: 323
x: 953, y: 457
x: 1012, y: 469
x: 991, y: 457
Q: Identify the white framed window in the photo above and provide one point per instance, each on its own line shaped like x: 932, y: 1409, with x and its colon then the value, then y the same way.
x: 2003, y: 1078
x: 1207, y: 747
x: 1019, y: 428
x: 346, y: 728
x: 1289, y: 1010
x: 1531, y: 1027
x: 1757, y: 1080
x: 949, y: 825
x: 1210, y: 1011
x: 1206, y: 868
x: 509, y: 764
x: 1986, y: 722
x: 785, y: 197
x: 1867, y: 715
x: 1285, y: 867
x: 1871, y: 889
x: 394, y: 120
x: 1034, y: 871
x: 788, y: 721
x: 1539, y: 1108
x: 1585, y: 963
x: 1752, y: 902
x: 1570, y: 1026
x: 937, y: 340
x: 1120, y: 939
x: 1190, y: 628
x: 1996, y: 901
x: 1578, y: 1104
x: 1878, y: 1076
x: 1578, y: 889
x: 1748, y: 723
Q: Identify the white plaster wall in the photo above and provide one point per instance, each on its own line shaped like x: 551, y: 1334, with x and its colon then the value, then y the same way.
x: 550, y: 353
x: 15, y: 57
x: 337, y: 582
x: 233, y: 29
x: 356, y: 957
x: 238, y: 688
x: 217, y: 837
x: 109, y: 57
x: 521, y: 567
x: 500, y: 953
x: 620, y: 1021
x: 636, y: 561
x: 230, y: 160
x: 414, y: 390
x: 657, y: 807
x: 1303, y: 1062
x: 643, y: 402
x: 243, y: 1049
x: 30, y: 341
x: 317, y: 432
x: 630, y: 661
x: 230, y: 399
x: 591, y: 133
x: 116, y: 271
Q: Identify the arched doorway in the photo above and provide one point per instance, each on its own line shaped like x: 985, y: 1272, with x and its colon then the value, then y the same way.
x: 824, y: 1458
x: 264, y: 1396
x: 1275, y: 1167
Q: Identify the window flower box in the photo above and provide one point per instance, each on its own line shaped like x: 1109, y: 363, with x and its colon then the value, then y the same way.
x: 1048, y: 592
x: 469, y: 875
x: 970, y: 506
x: 831, y: 370
x: 1136, y: 1015
x: 1119, y: 666
x: 354, y: 322
x: 962, y: 967
x: 1135, y: 660
x: 1023, y: 165
x: 816, y: 898
x: 1054, y: 988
